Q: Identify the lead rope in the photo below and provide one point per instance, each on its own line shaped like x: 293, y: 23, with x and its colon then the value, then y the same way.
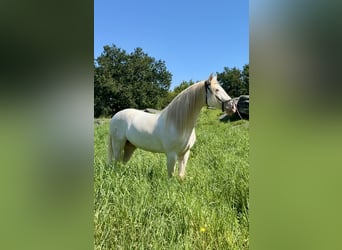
x: 237, y: 110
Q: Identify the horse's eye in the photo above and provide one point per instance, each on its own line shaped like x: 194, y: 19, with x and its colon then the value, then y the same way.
x: 217, y: 90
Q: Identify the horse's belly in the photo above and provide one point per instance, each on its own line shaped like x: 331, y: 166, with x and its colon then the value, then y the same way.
x: 145, y: 136
x: 145, y: 142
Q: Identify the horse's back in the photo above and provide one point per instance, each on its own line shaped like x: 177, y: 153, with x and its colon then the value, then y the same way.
x: 125, y: 114
x: 129, y: 117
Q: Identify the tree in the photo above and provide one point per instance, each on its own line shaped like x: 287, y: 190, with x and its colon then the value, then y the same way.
x: 172, y: 94
x: 245, y: 80
x: 123, y: 80
x: 234, y: 81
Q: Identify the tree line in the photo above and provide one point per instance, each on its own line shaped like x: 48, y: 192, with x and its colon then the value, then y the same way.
x: 137, y: 80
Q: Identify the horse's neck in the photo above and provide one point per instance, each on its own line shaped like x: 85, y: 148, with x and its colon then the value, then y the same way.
x: 184, y: 118
x: 192, y: 119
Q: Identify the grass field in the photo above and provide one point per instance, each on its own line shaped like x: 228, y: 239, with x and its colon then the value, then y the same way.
x: 137, y: 206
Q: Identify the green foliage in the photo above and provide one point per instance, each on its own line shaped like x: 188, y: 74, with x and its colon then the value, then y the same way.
x: 182, y: 86
x: 176, y: 91
x: 123, y: 80
x: 234, y: 81
x: 245, y: 80
x: 138, y: 207
x: 136, y: 80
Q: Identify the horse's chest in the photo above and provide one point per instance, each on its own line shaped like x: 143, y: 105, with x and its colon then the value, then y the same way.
x: 181, y: 144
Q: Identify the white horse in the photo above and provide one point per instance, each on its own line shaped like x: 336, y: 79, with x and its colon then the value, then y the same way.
x: 172, y: 131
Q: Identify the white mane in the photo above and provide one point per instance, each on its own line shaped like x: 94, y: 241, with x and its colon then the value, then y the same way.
x: 182, y: 112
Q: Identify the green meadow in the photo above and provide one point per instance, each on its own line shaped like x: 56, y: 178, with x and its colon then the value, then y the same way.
x: 136, y: 206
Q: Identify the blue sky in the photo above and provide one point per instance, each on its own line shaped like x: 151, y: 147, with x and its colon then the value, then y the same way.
x: 194, y: 38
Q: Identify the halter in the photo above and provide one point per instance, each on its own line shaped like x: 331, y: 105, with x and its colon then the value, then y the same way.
x: 206, y: 84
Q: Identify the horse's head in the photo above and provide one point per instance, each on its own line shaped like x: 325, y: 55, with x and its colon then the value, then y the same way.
x: 215, y: 95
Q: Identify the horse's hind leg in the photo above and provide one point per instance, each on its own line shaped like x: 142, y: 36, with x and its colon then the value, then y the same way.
x: 118, y: 146
x: 128, y: 151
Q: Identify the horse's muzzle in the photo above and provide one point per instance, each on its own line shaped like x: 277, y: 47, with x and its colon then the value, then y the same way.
x: 230, y: 107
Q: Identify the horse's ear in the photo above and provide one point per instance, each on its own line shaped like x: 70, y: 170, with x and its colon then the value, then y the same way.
x: 212, y: 77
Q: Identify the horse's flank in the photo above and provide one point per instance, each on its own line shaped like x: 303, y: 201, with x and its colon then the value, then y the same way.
x: 183, y: 111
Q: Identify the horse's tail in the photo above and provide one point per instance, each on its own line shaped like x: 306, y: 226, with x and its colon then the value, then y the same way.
x: 110, y: 149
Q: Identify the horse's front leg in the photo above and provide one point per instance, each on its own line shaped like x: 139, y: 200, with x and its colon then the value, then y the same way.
x: 171, y: 162
x: 182, y: 160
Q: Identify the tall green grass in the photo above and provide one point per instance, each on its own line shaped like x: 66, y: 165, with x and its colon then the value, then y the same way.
x: 138, y: 207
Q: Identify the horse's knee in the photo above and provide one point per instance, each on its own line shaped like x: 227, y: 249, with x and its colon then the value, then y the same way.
x: 182, y: 160
x: 171, y: 162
